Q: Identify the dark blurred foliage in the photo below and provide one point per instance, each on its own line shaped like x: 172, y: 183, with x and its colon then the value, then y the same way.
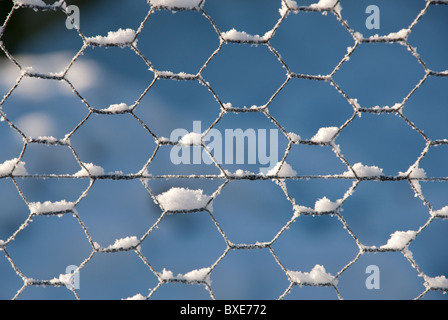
x: 24, y: 24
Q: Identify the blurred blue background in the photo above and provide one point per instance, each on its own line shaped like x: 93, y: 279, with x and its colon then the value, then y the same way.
x: 377, y: 74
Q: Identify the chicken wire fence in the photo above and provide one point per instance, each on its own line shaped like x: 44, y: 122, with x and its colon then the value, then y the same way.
x: 18, y: 275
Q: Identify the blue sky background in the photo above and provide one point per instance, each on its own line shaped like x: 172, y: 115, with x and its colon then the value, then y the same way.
x: 377, y: 74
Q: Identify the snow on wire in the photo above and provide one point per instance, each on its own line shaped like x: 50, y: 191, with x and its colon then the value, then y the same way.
x: 184, y: 200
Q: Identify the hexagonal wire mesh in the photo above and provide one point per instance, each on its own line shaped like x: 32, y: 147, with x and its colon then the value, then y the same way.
x: 86, y: 180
